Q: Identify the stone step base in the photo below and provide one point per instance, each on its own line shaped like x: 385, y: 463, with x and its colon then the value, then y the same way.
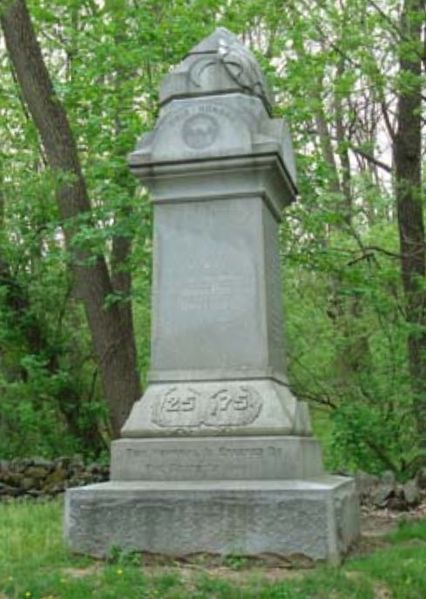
x: 318, y: 518
x: 216, y: 458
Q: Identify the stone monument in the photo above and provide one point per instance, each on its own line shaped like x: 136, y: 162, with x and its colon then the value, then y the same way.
x: 218, y: 455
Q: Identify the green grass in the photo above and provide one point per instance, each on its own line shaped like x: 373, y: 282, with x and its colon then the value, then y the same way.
x: 35, y: 564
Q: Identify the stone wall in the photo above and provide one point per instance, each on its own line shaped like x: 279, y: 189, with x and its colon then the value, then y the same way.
x: 38, y: 477
x: 385, y: 492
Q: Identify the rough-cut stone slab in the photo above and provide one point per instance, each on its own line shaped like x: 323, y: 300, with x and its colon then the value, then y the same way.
x: 317, y: 518
x: 230, y: 458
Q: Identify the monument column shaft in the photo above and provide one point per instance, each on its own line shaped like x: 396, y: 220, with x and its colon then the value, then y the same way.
x: 217, y: 359
x: 217, y: 310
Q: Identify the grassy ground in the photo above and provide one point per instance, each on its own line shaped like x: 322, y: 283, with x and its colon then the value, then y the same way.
x: 34, y: 564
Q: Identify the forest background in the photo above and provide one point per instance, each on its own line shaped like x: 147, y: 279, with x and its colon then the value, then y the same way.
x: 75, y: 228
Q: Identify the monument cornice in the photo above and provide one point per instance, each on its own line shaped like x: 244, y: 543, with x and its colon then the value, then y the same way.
x: 212, y: 375
x: 226, y: 177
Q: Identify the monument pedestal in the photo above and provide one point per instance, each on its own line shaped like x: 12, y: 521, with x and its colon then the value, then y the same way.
x: 218, y: 455
x: 317, y: 517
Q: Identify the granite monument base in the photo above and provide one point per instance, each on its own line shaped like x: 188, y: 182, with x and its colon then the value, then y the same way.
x: 222, y: 407
x: 272, y: 457
x: 317, y: 518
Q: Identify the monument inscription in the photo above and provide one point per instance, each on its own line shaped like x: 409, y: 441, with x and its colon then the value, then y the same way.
x: 182, y: 406
x: 211, y: 291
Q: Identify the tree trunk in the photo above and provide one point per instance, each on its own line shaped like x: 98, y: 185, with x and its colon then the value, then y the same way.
x: 407, y: 159
x: 113, y: 343
x: 342, y: 149
x: 122, y: 244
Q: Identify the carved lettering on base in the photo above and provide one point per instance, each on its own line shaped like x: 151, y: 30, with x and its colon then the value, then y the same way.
x: 184, y: 407
x: 233, y: 407
x: 177, y: 407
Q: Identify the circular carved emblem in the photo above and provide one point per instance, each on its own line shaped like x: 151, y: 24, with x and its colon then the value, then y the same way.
x: 200, y: 131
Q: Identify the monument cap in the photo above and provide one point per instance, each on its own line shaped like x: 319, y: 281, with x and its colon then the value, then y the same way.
x: 220, y: 64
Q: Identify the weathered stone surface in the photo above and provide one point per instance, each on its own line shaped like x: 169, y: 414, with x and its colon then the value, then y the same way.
x: 230, y: 458
x: 421, y: 478
x: 40, y: 477
x: 388, y: 478
x: 245, y: 407
x: 220, y: 171
x: 42, y: 463
x: 9, y: 490
x: 411, y: 493
x: 217, y: 303
x: 365, y: 483
x: 220, y: 63
x: 37, y: 472
x: 317, y: 518
x: 11, y: 477
x: 27, y: 483
x: 234, y: 132
x: 58, y: 475
x: 218, y: 455
x: 382, y: 493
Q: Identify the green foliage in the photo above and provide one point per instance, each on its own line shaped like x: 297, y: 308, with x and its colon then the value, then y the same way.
x: 347, y: 299
x: 120, y: 557
x: 106, y: 62
x: 236, y: 562
x: 44, y: 365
